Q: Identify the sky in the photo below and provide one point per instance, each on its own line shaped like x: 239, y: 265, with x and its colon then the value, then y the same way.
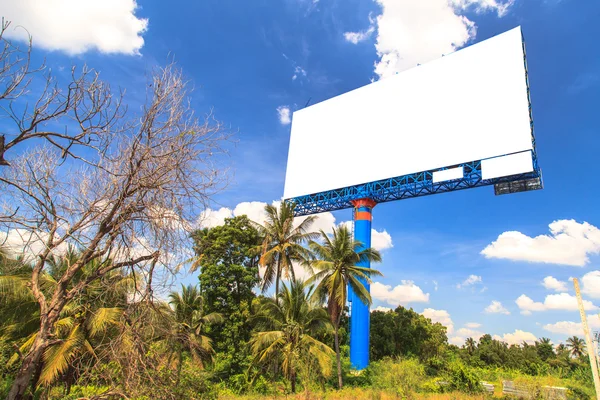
x: 472, y: 261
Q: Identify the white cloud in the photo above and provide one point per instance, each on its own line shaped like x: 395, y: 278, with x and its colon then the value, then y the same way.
x: 379, y: 240
x: 382, y: 309
x: 357, y: 37
x: 471, y: 280
x: 591, y: 284
x: 28, y: 244
x: 441, y: 316
x: 517, y: 337
x: 569, y: 243
x: 560, y: 301
x: 551, y: 283
x: 527, y: 305
x: 210, y: 218
x: 467, y: 332
x: 482, y: 6
x: 412, y: 32
x: 496, y: 307
x: 435, y: 285
x: 407, y: 292
x: 285, y: 115
x: 571, y: 328
x: 298, y: 71
x: 255, y: 210
x: 457, y: 340
x: 76, y: 26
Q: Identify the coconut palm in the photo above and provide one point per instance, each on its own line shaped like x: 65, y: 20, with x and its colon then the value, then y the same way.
x: 470, y: 345
x: 189, y: 326
x: 83, y: 323
x: 335, y: 261
x: 287, y: 327
x: 576, y: 346
x: 283, y: 243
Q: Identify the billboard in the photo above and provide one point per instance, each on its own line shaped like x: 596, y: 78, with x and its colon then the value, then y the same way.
x: 467, y: 106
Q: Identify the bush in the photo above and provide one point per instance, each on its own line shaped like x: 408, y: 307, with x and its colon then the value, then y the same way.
x: 579, y: 393
x: 403, y: 377
x: 463, y: 378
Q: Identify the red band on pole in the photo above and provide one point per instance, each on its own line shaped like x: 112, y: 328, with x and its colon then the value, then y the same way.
x: 364, y: 203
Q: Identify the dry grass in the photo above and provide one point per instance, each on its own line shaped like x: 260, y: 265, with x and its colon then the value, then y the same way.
x: 357, y: 394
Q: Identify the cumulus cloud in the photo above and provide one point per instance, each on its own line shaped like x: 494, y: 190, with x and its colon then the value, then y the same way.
x: 412, y: 32
x: 255, y: 210
x: 471, y: 280
x: 591, y: 284
x: 379, y: 240
x: 517, y: 337
x: 27, y: 244
x: 496, y: 307
x: 457, y: 340
x: 441, y: 316
x: 381, y: 308
x: 406, y: 292
x: 551, y: 283
x: 468, y: 332
x: 284, y: 114
x: 210, y: 218
x: 75, y: 26
x: 569, y: 243
x: 560, y: 301
x: 571, y: 328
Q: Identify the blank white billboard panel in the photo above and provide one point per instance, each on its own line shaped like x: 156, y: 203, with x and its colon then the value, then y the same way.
x: 466, y: 106
x: 448, y: 174
x: 512, y: 164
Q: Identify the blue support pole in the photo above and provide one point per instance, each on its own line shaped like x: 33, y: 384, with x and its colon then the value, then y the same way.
x: 360, y: 317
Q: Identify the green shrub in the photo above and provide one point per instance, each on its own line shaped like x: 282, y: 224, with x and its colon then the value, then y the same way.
x: 463, y: 379
x: 577, y: 392
x: 402, y: 377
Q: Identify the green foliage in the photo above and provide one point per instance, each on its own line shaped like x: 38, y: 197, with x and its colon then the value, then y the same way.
x: 463, y: 379
x: 286, y: 330
x: 402, y: 377
x: 228, y: 274
x: 406, y: 333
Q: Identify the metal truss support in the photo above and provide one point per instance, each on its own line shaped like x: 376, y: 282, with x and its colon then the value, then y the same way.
x: 409, y: 186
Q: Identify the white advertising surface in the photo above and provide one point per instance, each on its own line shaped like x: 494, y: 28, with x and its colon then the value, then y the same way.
x: 469, y: 105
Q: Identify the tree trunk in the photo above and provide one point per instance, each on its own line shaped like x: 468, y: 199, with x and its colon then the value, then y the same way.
x: 337, y: 356
x: 277, y: 275
x: 293, y: 379
x: 291, y: 267
x: 28, y: 367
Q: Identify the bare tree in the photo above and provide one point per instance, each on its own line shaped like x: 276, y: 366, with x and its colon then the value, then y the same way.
x: 123, y: 189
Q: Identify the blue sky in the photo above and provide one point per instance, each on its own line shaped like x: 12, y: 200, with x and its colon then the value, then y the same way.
x: 251, y: 61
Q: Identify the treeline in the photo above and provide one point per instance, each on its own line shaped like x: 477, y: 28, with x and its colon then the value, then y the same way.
x: 226, y: 336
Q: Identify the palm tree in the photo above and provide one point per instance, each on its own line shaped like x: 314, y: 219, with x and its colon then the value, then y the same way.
x: 336, y: 261
x: 470, y: 345
x: 576, y: 346
x: 83, y: 323
x: 189, y: 326
x: 287, y: 328
x: 283, y: 243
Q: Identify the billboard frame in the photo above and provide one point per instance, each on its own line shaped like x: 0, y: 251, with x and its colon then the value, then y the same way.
x: 421, y: 183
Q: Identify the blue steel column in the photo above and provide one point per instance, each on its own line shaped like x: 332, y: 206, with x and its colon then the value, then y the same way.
x: 360, y: 317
